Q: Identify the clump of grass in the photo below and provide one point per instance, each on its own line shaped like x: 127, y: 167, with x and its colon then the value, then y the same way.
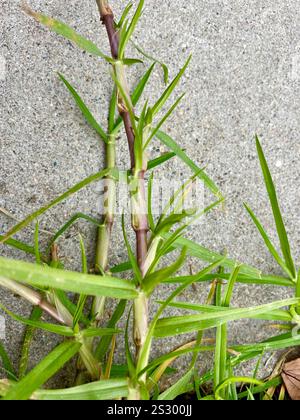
x: 47, y: 285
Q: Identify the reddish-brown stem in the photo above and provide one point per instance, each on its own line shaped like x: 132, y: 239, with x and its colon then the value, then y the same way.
x: 130, y: 136
x: 139, y: 213
x: 107, y: 18
x: 141, y: 229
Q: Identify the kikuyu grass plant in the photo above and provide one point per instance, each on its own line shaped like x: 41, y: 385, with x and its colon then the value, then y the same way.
x: 65, y: 296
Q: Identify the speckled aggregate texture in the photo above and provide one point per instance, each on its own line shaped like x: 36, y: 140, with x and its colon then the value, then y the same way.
x: 244, y: 79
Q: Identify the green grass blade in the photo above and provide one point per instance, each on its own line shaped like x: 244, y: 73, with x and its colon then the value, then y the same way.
x: 222, y: 333
x: 275, y: 315
x: 282, y: 234
x: 70, y: 306
x: 262, y: 388
x: 46, y: 277
x: 28, y: 337
x: 163, y: 120
x: 124, y: 40
x: 121, y: 268
x: 51, y: 364
x: 104, y: 343
x: 124, y: 15
x: 112, y: 389
x: 151, y: 281
x: 174, y: 355
x: 220, y: 355
x: 140, y: 87
x: 229, y: 289
x: 229, y: 381
x: 268, y: 242
x: 172, y: 145
x: 204, y: 254
x: 245, y: 279
x: 84, y: 109
x: 273, y: 344
x: 82, y: 298
x: 167, y: 93
x: 68, y: 224
x: 131, y: 61
x: 21, y: 246
x: 153, y: 325
x: 55, y: 329
x: 160, y: 160
x: 7, y: 364
x: 149, y: 57
x: 64, y: 30
x: 64, y: 196
x: 178, y: 388
x: 167, y: 327
x: 79, y: 310
x: 37, y: 244
x: 99, y: 332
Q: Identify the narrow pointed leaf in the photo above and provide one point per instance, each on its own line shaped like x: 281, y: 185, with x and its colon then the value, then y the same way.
x: 282, y: 234
x: 184, y: 324
x: 229, y: 381
x: 131, y: 61
x: 229, y: 289
x: 268, y: 242
x: 21, y: 246
x: 64, y: 30
x: 99, y: 332
x: 84, y: 109
x: 124, y: 15
x: 153, y: 279
x: 69, y: 223
x: 51, y: 364
x: 35, y: 315
x: 112, y: 389
x: 178, y: 388
x: 172, y: 145
x: 275, y: 315
x: 164, y: 119
x: 64, y: 196
x: 198, y: 251
x: 167, y: 93
x: 149, y: 57
x: 46, y: 277
x: 152, y: 326
x: 160, y: 160
x: 7, y: 364
x: 55, y: 329
x: 104, y: 343
x: 131, y: 28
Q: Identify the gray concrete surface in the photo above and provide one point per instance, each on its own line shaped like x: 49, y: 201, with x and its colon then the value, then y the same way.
x: 244, y: 79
